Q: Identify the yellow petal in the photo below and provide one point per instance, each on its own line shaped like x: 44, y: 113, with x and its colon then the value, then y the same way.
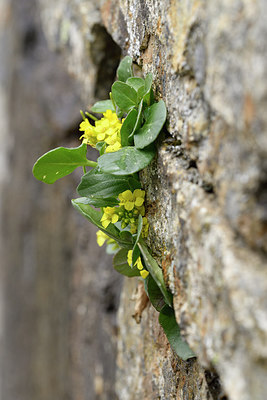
x: 144, y: 273
x: 139, y: 193
x: 139, y: 201
x: 85, y: 125
x: 130, y: 257
x: 127, y: 195
x: 101, y: 136
x: 105, y: 223
x: 111, y: 139
x: 139, y: 263
x: 115, y: 218
x: 101, y: 237
x: 129, y: 205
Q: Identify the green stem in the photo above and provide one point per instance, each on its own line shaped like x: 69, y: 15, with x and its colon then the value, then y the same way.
x: 82, y: 114
x: 91, y: 163
x: 155, y: 271
x: 84, y: 170
x: 91, y: 116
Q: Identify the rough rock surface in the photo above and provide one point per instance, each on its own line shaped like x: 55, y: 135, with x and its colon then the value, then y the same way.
x: 209, y: 68
x: 206, y: 191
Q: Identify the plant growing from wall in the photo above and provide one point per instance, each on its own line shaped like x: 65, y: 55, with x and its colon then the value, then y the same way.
x: 111, y: 193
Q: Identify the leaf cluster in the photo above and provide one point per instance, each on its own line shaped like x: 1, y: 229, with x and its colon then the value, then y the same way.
x: 115, y: 172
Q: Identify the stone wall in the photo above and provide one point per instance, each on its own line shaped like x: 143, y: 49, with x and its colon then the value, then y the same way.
x: 206, y: 190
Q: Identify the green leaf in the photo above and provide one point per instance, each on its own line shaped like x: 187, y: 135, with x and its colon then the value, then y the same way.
x: 101, y: 147
x: 131, y: 123
x: 124, y: 96
x: 95, y: 183
x: 60, y: 162
x: 136, y: 251
x: 140, y: 93
x: 154, y: 293
x: 102, y: 106
x: 136, y: 255
x: 156, y: 272
x: 121, y: 265
x: 98, y: 201
x: 128, y: 127
x: 148, y: 93
x: 135, y: 83
x: 126, y: 235
x: 148, y: 82
x: 147, y: 134
x: 138, y: 119
x: 168, y: 322
x: 124, y: 70
x: 95, y: 216
x: 125, y: 161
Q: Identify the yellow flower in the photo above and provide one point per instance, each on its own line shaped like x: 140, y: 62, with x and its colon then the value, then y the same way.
x: 107, y: 129
x: 139, y: 197
x: 127, y: 200
x: 130, y: 200
x: 89, y: 136
x: 109, y: 216
x: 85, y: 125
x: 143, y: 272
x: 114, y: 147
x: 101, y: 237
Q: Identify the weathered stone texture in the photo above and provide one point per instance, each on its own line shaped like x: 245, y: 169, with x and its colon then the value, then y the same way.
x: 206, y: 191
x: 75, y: 29
x: 147, y: 367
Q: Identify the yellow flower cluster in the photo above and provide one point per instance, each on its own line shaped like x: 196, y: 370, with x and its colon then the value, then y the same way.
x: 107, y: 130
x: 143, y: 272
x: 130, y: 206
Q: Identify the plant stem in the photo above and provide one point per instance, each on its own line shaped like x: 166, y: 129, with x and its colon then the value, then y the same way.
x: 84, y: 170
x: 155, y: 271
x: 91, y: 163
x: 82, y: 114
x: 91, y: 116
